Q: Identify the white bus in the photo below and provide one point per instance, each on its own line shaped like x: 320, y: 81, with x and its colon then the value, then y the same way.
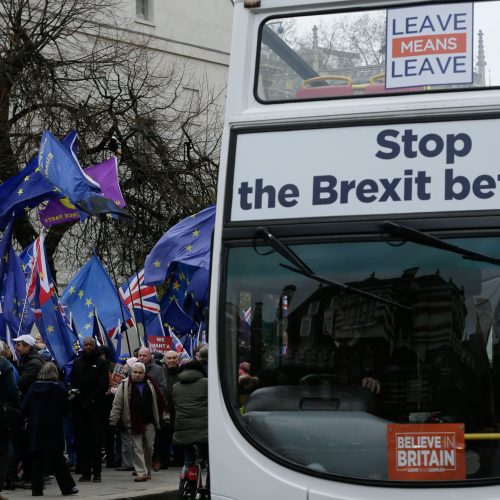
x: 355, y: 294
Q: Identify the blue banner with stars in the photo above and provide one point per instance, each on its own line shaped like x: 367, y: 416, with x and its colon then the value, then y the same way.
x: 17, y: 311
x: 28, y: 188
x: 91, y: 288
x: 188, y: 241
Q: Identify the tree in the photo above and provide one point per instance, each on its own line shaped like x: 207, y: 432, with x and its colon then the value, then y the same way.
x: 62, y: 67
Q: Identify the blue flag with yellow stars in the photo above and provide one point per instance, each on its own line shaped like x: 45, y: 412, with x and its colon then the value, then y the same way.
x: 60, y: 167
x: 196, y: 298
x: 16, y: 309
x: 174, y: 317
x: 91, y: 288
x: 188, y: 241
x: 28, y: 188
x: 5, y: 246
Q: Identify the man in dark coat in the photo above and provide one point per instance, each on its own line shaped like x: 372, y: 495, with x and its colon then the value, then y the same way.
x: 90, y: 377
x: 170, y: 364
x: 45, y: 405
x: 30, y: 362
x: 8, y: 394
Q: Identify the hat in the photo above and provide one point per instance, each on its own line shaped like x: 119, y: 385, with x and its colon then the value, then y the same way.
x: 27, y: 339
x: 131, y: 361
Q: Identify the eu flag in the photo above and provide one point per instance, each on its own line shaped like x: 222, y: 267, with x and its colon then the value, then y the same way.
x: 5, y: 246
x: 197, y: 294
x: 91, y: 288
x: 188, y: 241
x: 28, y: 188
x: 17, y: 311
x: 60, y: 168
x: 174, y: 317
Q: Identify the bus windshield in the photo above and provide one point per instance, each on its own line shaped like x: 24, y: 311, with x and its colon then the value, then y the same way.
x: 316, y: 374
x: 370, y: 52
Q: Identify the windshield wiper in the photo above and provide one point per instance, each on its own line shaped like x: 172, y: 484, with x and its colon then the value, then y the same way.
x: 421, y: 238
x: 305, y: 270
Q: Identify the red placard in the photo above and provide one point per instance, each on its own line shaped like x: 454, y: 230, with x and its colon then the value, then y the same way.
x: 158, y: 343
x: 425, y: 452
x: 118, y: 375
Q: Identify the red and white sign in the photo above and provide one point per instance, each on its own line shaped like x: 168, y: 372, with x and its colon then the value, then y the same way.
x: 429, y: 45
x: 158, y: 343
x: 118, y: 375
x: 425, y: 452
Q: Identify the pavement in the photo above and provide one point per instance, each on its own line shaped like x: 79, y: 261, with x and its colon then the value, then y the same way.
x: 115, y: 485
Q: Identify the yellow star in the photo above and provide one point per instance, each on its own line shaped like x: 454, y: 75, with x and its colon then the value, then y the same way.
x: 172, y: 298
x: 37, y: 169
x: 50, y: 329
x: 189, y: 248
x: 27, y: 178
x: 27, y: 208
x: 72, y: 290
x: 24, y: 266
x: 6, y: 258
x: 196, y: 232
x: 20, y: 192
x: 156, y: 263
x: 176, y: 285
x: 91, y: 314
x: 81, y: 293
x: 87, y: 326
x: 55, y: 307
x: 88, y: 302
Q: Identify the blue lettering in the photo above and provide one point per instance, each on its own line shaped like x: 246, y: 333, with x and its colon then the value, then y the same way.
x: 285, y: 194
x: 323, y: 190
x: 450, y: 183
x: 381, y: 141
x: 483, y: 185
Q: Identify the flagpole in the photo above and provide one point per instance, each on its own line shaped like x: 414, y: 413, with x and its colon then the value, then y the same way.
x: 133, y: 309
x: 116, y: 288
x: 142, y: 310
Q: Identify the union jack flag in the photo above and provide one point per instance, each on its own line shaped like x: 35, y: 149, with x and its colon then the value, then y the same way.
x: 140, y: 299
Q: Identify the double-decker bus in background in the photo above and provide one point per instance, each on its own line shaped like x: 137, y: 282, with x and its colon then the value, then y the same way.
x: 355, y: 295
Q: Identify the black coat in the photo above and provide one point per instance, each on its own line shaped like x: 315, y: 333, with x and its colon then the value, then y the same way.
x: 45, y: 405
x: 90, y: 376
x: 29, y: 366
x: 8, y: 387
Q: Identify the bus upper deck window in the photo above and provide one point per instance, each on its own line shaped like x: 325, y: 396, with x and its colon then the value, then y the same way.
x: 375, y: 52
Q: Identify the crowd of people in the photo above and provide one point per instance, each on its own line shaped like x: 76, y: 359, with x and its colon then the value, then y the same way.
x: 54, y: 422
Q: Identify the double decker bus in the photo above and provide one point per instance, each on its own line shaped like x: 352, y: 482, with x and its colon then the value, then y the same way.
x: 355, y: 293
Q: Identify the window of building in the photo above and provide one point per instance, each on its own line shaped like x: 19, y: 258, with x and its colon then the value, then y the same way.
x: 144, y: 10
